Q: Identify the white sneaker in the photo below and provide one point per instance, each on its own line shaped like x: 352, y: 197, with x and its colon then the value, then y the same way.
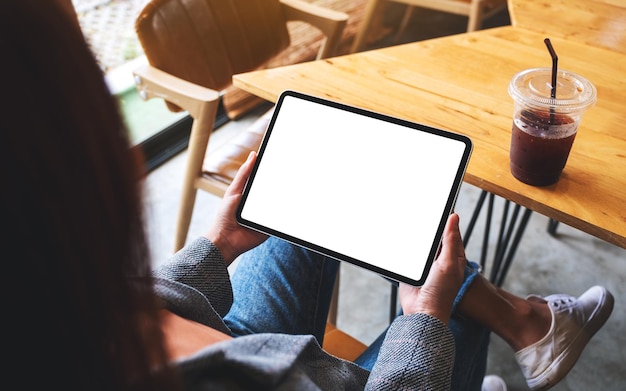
x: 574, y: 322
x: 493, y: 383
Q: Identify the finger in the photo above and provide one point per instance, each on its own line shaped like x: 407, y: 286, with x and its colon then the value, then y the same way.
x: 452, y: 245
x: 457, y: 250
x: 452, y: 227
x: 238, y: 183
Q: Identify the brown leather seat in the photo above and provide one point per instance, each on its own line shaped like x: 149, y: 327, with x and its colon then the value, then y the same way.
x: 222, y: 165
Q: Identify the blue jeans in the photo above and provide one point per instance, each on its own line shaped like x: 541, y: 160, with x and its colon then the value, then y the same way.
x: 282, y: 288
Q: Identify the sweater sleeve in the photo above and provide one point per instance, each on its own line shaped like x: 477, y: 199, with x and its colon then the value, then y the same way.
x: 200, y: 267
x: 418, y: 353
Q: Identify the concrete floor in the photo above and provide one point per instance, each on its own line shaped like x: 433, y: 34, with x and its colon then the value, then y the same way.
x: 570, y: 263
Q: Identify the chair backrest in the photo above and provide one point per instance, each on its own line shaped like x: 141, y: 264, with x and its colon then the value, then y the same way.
x: 207, y: 41
x: 594, y: 22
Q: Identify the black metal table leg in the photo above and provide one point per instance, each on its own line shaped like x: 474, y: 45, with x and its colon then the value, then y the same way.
x: 552, y: 225
x: 509, y: 236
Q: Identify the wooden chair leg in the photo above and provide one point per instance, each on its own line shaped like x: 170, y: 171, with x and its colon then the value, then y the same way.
x: 406, y: 18
x: 197, y: 147
x: 475, y: 16
x: 373, y: 8
x: 185, y: 210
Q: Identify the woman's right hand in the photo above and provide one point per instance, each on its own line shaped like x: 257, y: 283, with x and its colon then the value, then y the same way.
x: 228, y: 236
x: 446, y: 275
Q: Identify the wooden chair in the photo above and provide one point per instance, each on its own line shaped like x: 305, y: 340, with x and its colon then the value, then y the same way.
x: 594, y: 22
x: 475, y: 10
x: 193, y: 48
x: 336, y: 342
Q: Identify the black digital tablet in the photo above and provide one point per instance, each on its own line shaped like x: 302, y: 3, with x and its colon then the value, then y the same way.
x: 356, y: 185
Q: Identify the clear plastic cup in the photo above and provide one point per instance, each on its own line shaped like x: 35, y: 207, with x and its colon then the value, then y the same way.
x: 544, y: 128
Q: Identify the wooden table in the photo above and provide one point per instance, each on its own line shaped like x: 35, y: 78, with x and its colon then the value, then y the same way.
x: 459, y: 83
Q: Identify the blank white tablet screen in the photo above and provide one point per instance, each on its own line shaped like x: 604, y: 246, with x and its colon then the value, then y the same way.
x: 371, y: 190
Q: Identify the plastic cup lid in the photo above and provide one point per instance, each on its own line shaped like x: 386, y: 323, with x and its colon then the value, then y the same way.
x: 533, y: 88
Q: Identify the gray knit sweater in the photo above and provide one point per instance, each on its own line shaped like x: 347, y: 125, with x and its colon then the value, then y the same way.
x: 418, y: 351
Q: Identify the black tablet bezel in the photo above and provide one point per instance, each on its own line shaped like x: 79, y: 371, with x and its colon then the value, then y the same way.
x: 449, y: 205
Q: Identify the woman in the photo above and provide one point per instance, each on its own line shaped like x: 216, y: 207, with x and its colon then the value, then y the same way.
x: 72, y: 213
x: 87, y: 312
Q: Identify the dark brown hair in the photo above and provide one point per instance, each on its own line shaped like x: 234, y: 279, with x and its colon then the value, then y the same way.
x: 76, y: 265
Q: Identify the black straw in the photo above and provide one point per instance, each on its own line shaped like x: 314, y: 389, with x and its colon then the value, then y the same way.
x: 555, y: 60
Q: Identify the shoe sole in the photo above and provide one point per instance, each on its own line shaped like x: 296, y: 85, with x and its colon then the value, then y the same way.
x: 600, y: 315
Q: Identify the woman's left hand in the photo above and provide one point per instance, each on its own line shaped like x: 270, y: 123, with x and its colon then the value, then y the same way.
x: 228, y: 236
